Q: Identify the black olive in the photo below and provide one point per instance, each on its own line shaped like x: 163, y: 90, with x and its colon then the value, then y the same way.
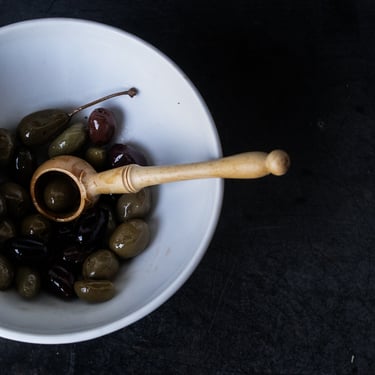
x: 92, y: 226
x: 60, y: 281
x: 27, y: 251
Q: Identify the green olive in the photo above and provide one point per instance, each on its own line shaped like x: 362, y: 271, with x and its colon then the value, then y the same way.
x: 17, y: 198
x: 7, y: 145
x: 97, y: 157
x: 40, y: 127
x: 135, y: 205
x: 60, y: 194
x: 102, y: 264
x: 69, y: 141
x: 36, y: 225
x: 6, y: 273
x: 94, y: 290
x: 27, y: 282
x: 7, y: 229
x: 130, y: 238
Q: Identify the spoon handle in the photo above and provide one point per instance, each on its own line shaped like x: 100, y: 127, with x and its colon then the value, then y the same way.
x: 132, y: 178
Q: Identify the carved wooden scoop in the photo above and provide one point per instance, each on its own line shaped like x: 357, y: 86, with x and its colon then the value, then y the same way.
x: 89, y: 184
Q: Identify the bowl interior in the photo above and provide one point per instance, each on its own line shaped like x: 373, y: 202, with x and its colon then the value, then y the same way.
x: 63, y: 63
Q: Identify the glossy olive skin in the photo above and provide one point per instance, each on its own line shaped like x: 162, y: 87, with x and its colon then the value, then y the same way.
x: 97, y: 157
x: 7, y: 146
x: 26, y: 251
x: 112, y: 221
x: 60, y: 282
x: 27, y: 282
x: 6, y: 273
x: 23, y: 166
x: 69, y: 142
x: 40, y: 127
x: 102, y: 264
x: 125, y: 154
x: 94, y: 290
x: 17, y: 198
x: 135, y: 205
x: 91, y: 227
x: 37, y: 226
x: 130, y: 238
x: 102, y: 124
x: 60, y: 194
x: 7, y: 229
x: 74, y: 255
x: 53, y: 255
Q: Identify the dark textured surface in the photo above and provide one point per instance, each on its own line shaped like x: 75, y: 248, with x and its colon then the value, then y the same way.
x: 287, y: 285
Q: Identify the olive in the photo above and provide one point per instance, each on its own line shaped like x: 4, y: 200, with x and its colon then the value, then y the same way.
x: 102, y: 264
x: 23, y: 166
x: 60, y: 282
x: 39, y: 127
x: 69, y: 141
x: 27, y: 282
x: 18, y: 200
x: 26, y: 251
x: 112, y: 221
x: 91, y: 226
x: 94, y: 290
x: 7, y: 229
x: 121, y: 154
x: 3, y: 206
x: 74, y: 255
x: 134, y: 205
x: 97, y: 157
x: 6, y: 273
x: 102, y: 125
x: 130, y: 238
x: 60, y: 194
x: 7, y: 144
x: 36, y: 225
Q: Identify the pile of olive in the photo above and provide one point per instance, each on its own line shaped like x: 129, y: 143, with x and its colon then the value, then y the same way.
x: 79, y: 258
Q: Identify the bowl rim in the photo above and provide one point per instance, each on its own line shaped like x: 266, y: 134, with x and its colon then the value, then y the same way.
x: 170, y: 290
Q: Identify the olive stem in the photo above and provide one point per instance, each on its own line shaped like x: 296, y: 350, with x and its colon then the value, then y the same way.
x: 131, y: 92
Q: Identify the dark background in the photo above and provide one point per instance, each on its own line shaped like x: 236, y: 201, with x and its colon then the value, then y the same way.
x: 287, y: 285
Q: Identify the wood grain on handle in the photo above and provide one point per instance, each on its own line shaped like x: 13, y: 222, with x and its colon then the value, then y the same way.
x: 132, y: 178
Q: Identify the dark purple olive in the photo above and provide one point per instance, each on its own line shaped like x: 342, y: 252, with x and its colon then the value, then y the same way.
x: 23, y: 166
x: 102, y: 125
x: 74, y: 255
x: 63, y: 235
x: 121, y: 154
x: 91, y: 227
x: 26, y: 251
x: 60, y: 282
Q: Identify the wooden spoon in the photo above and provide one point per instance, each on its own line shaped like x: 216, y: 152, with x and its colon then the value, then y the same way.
x: 131, y: 178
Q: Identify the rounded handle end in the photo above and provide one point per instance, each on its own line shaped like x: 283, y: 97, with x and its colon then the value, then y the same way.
x: 278, y: 162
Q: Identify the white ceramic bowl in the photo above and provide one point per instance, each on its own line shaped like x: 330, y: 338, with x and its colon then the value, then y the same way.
x: 64, y: 63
